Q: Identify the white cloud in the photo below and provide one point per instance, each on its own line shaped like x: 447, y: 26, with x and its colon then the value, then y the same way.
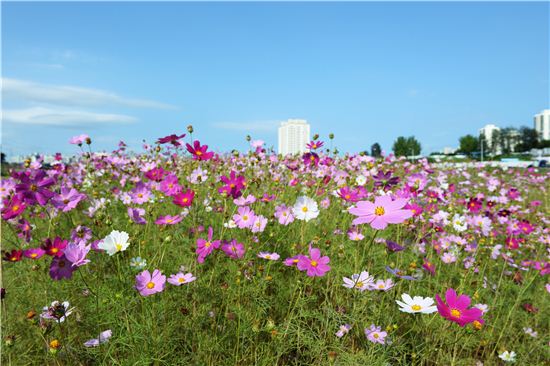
x: 66, y: 95
x: 62, y: 118
x: 258, y: 126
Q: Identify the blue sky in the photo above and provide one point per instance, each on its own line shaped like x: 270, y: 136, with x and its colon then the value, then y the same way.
x: 367, y: 72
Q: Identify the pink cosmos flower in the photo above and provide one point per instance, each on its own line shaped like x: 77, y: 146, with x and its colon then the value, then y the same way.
x: 456, y: 309
x: 242, y: 201
x: 244, y: 218
x: 168, y: 220
x: 293, y: 261
x: 68, y: 199
x: 233, y: 249
x: 148, y: 284
x: 382, y: 212
x: 170, y: 186
x: 179, y: 278
x: 343, y: 330
x: 375, y: 334
x: 13, y: 208
x: 205, y: 247
x: 315, y: 265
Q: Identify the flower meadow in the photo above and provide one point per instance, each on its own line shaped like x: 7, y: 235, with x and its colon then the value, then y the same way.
x: 182, y: 256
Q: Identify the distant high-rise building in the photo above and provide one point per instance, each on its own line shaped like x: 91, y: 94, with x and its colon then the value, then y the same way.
x: 542, y: 124
x: 487, y: 132
x: 293, y: 136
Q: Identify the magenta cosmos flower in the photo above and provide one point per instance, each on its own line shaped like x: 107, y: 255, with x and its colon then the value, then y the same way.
x: 456, y: 309
x: 315, y: 265
x: 184, y: 199
x: 382, y: 212
x: 168, y: 220
x: 13, y: 208
x: 149, y: 284
x: 199, y: 152
x: 205, y: 247
x: 34, y: 253
x: 233, y: 249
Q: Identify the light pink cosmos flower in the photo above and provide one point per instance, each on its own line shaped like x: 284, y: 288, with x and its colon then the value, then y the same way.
x: 269, y: 256
x: 382, y: 212
x: 315, y: 265
x: 375, y: 334
x: 259, y: 224
x: 149, y: 284
x: 343, y: 330
x: 179, y: 278
x: 76, y: 254
x: 103, y: 337
x: 79, y: 139
x: 284, y: 215
x: 382, y: 285
x: 244, y: 218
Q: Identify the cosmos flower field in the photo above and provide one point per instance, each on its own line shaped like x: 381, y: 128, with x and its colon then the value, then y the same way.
x: 181, y: 256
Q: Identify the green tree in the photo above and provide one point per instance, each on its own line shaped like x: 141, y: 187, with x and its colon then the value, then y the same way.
x: 528, y: 139
x: 468, y: 144
x: 400, y: 146
x: 414, y: 146
x: 406, y: 146
x: 375, y: 150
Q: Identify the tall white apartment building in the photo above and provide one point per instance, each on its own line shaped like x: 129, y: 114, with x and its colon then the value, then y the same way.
x: 542, y: 124
x: 488, y: 131
x: 293, y: 136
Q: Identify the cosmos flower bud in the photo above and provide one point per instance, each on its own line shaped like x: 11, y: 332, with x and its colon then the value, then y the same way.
x: 331, y: 136
x: 190, y: 128
x: 316, y: 136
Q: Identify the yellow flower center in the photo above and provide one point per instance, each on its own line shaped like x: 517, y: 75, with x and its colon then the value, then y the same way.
x: 150, y: 285
x: 34, y: 255
x: 181, y: 280
x: 379, y: 211
x: 376, y: 335
x: 245, y: 218
x: 15, y: 208
x: 359, y: 284
x: 198, y: 152
x: 381, y: 286
x: 304, y: 209
x: 455, y: 313
x: 54, y: 250
x: 416, y: 307
x: 118, y: 247
x: 185, y: 200
x: 477, y: 325
x: 207, y: 244
x: 268, y: 257
x: 314, y: 263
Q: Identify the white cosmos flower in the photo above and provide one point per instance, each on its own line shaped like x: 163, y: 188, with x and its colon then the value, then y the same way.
x: 361, y: 180
x: 305, y: 209
x: 116, y: 241
x: 508, y: 356
x: 417, y: 304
